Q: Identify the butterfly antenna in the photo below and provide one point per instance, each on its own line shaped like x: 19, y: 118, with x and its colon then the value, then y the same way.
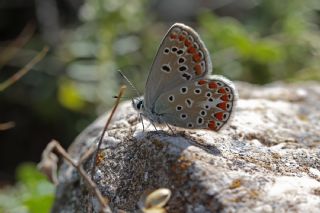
x: 129, y: 82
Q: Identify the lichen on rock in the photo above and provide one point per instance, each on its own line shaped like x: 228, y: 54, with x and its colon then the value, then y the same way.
x: 266, y: 160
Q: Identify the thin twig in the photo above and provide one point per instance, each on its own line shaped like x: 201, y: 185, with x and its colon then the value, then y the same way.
x: 78, y: 166
x: 121, y: 91
x: 8, y: 52
x: 6, y: 125
x: 4, y: 85
x: 55, y: 146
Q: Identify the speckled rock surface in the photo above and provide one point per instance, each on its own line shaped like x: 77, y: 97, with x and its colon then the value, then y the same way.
x: 266, y: 160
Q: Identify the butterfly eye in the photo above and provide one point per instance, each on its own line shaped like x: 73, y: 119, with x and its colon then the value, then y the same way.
x: 139, y: 106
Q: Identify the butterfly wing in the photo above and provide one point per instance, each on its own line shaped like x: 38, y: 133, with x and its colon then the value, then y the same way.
x: 202, y: 104
x: 181, y: 58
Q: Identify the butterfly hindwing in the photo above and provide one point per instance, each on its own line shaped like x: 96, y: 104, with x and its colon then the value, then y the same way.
x: 202, y: 104
x: 181, y: 58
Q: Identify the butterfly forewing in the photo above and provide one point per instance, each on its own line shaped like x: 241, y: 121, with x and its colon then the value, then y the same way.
x: 178, y: 90
x: 202, y: 104
x: 181, y: 59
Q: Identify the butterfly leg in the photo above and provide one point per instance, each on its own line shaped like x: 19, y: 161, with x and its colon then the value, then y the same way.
x: 141, y: 119
x: 154, y: 126
x: 170, y: 128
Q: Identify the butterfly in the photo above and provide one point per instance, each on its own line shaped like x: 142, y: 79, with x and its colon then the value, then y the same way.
x: 179, y: 91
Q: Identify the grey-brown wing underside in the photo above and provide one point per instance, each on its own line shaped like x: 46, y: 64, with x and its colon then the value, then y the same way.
x: 181, y: 58
x: 203, y: 104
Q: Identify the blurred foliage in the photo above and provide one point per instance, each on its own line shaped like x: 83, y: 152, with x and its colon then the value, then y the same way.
x: 279, y: 40
x: 276, y: 40
x: 32, y: 192
x: 109, y: 39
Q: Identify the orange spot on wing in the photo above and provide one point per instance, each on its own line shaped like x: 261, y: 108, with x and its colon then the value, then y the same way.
x: 213, y: 85
x: 181, y: 37
x: 173, y: 36
x: 197, y: 69
x: 222, y: 105
x: 219, y: 116
x: 225, y: 97
x: 222, y: 90
x: 191, y: 50
x: 196, y: 57
x: 187, y: 43
x: 201, y: 82
x: 212, y: 125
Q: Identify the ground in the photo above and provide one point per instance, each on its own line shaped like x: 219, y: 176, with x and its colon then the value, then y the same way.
x: 266, y: 160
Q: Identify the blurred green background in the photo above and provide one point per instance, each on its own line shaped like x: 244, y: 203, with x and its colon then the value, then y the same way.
x: 249, y: 40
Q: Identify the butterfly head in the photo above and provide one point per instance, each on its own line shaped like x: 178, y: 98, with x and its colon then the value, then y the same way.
x: 138, y: 104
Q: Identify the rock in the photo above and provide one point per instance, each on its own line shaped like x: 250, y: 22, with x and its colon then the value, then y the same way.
x: 266, y: 160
